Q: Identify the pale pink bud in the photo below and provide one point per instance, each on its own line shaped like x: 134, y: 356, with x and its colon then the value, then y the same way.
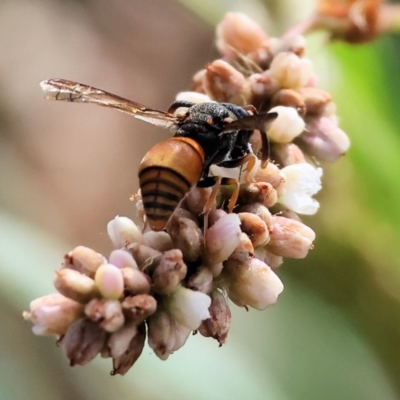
x: 75, y: 285
x: 217, y: 326
x: 83, y: 341
x: 201, y: 280
x: 288, y: 154
x: 224, y: 83
x: 119, y: 341
x: 109, y: 281
x: 290, y: 238
x: 181, y: 334
x: 270, y: 259
x: 160, y: 241
x: 135, y: 281
x: 187, y: 237
x: 215, y: 215
x: 193, y: 97
x: 286, y: 126
x: 84, y: 260
x: 123, y: 363
x: 122, y: 259
x: 262, y: 86
x: 255, y: 228
x: 244, y: 250
x: 123, y: 231
x: 289, y: 98
x: 143, y: 255
x: 169, y: 272
x: 293, y: 43
x: 271, y: 173
x: 260, y: 210
x: 237, y: 33
x: 139, y: 307
x: 106, y: 313
x: 188, y: 307
x: 255, y: 285
x: 325, y: 140
x: 302, y: 182
x: 222, y: 238
x: 161, y: 336
x: 197, y: 198
x: 291, y: 71
x: 53, y: 314
x: 315, y: 99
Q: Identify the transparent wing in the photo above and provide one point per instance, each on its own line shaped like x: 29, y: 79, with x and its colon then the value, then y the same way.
x: 64, y: 90
x: 257, y: 121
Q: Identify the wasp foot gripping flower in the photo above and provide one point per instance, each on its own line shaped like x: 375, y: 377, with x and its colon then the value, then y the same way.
x: 214, y: 251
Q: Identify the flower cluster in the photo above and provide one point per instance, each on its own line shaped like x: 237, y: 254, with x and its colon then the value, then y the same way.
x: 165, y: 285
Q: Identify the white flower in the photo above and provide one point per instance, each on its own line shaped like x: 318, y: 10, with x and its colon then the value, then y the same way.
x: 286, y: 126
x: 189, y: 308
x: 302, y: 182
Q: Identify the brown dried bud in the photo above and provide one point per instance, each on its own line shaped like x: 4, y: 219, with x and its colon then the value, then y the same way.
x: 201, y: 280
x: 161, y: 336
x: 324, y: 140
x: 262, y: 86
x: 224, y: 83
x: 83, y: 341
x: 123, y: 363
x: 106, y: 313
x: 145, y: 256
x: 160, y: 241
x: 258, y: 192
x: 260, y: 210
x: 118, y: 341
x: 169, y: 272
x: 290, y: 238
x: 84, y: 260
x: 139, y: 307
x: 289, y: 98
x: 135, y: 281
x: 287, y: 154
x: 255, y: 228
x: 75, y: 285
x: 187, y: 237
x: 217, y: 326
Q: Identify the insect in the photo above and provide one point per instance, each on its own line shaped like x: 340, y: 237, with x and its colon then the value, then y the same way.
x: 205, y: 134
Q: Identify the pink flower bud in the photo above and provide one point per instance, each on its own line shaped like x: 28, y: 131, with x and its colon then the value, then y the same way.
x: 84, y: 260
x: 160, y: 241
x: 271, y: 173
x: 287, y: 154
x: 161, y: 334
x: 75, y: 285
x: 201, y: 280
x: 109, y: 281
x: 197, y: 198
x: 289, y: 98
x: 139, y: 307
x: 143, y: 255
x: 122, y: 259
x: 53, y: 314
x: 83, y: 341
x: 222, y: 238
x: 258, y: 192
x: 123, y: 231
x: 135, y: 281
x: 119, y: 341
x: 315, y: 99
x: 255, y: 228
x: 290, y: 238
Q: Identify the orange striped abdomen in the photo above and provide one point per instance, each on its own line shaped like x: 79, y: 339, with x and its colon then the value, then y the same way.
x: 166, y: 174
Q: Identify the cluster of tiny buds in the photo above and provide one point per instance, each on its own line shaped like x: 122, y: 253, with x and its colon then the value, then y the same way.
x: 165, y: 285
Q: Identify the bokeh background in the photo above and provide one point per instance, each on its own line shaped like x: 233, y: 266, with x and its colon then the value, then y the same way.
x: 66, y: 169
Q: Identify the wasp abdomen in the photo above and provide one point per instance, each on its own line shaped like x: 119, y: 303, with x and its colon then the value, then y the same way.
x: 166, y: 174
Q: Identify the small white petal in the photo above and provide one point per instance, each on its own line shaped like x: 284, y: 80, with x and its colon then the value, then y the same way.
x: 122, y: 231
x: 189, y: 308
x: 286, y: 126
x: 302, y: 182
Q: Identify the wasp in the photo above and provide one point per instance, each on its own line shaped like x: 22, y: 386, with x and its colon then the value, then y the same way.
x: 205, y: 134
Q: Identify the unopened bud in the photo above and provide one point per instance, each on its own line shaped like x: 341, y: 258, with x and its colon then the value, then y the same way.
x: 289, y: 98
x: 122, y: 259
x: 286, y: 126
x: 84, y: 260
x: 169, y: 272
x: 135, y: 281
x: 106, y: 313
x: 83, y: 341
x: 53, y: 314
x: 260, y: 210
x: 139, y: 307
x: 293, y: 43
x: 144, y: 256
x: 290, y: 238
x: 271, y: 173
x: 258, y: 192
x: 118, y: 342
x: 75, y: 285
x: 197, y: 198
x: 255, y: 228
x: 222, y: 238
x: 315, y: 100
x: 288, y: 154
x: 160, y: 241
x: 201, y: 280
x: 109, y: 281
x: 161, y: 336
x: 123, y: 231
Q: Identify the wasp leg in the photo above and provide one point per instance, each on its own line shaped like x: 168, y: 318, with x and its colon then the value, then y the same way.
x: 179, y: 103
x: 250, y: 158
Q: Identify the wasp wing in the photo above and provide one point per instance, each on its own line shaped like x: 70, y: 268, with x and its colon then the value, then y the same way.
x: 257, y: 121
x: 64, y: 90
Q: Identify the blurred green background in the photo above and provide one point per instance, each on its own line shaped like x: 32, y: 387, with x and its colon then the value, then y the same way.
x: 68, y: 169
